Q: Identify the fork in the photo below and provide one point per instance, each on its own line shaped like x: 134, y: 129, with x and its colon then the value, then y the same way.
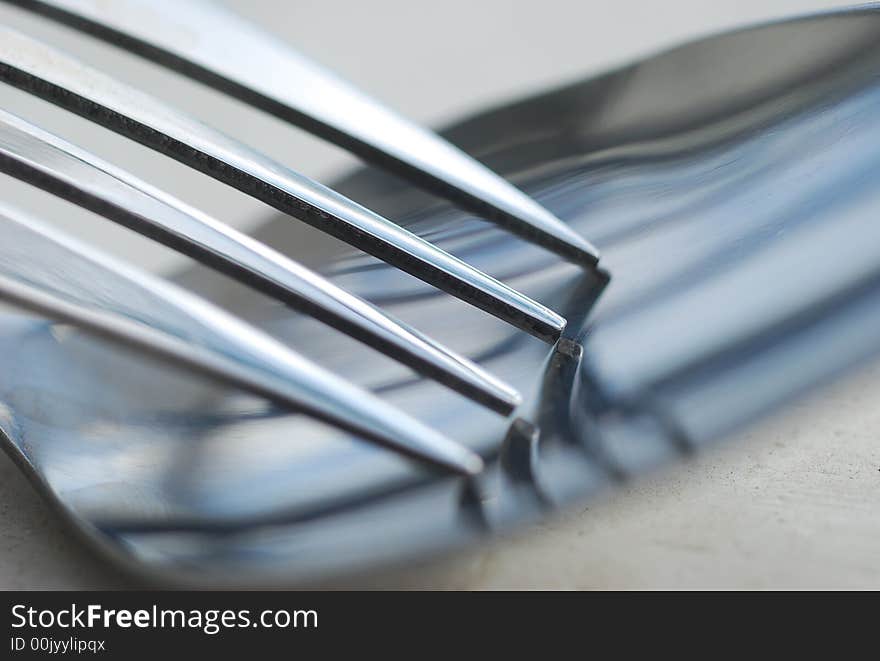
x: 299, y: 92
x: 738, y: 217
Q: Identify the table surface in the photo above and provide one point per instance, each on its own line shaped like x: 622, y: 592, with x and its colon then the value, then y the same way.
x: 791, y: 502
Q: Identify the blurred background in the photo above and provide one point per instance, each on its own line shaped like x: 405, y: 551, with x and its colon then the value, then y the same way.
x: 791, y: 503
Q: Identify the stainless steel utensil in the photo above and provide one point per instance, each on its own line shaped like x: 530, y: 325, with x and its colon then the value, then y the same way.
x: 59, y: 167
x: 735, y: 207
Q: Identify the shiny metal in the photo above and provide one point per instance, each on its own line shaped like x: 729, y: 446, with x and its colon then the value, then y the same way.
x: 239, y: 58
x: 59, y: 167
x: 53, y: 275
x: 47, y: 73
x: 733, y: 186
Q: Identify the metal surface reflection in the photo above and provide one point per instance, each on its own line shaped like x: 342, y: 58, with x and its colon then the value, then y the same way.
x: 732, y: 186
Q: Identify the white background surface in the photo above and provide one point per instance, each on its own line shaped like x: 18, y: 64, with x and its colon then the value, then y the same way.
x: 793, y: 502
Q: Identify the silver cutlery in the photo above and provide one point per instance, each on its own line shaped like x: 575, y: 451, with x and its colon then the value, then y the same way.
x: 735, y: 208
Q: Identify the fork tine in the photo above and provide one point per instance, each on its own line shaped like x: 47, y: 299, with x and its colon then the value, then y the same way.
x: 264, y: 71
x: 50, y: 163
x: 139, y: 310
x: 61, y: 80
